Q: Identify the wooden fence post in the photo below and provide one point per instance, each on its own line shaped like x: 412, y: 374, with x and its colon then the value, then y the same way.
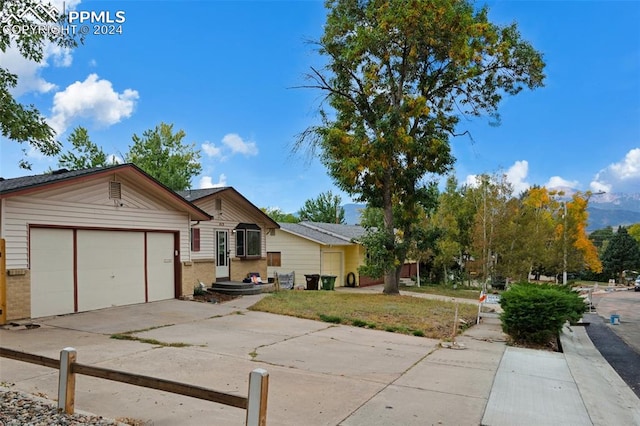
x: 67, y: 381
x: 257, y: 400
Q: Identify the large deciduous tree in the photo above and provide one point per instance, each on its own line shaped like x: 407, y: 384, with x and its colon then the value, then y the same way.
x: 573, y: 248
x: 399, y: 76
x: 534, y: 231
x: 84, y: 154
x: 162, y: 154
x: 453, y: 224
x: 279, y: 216
x: 24, y: 123
x: 489, y: 195
x: 325, y: 208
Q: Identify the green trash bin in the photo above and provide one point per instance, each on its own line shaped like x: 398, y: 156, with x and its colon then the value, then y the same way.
x: 328, y: 282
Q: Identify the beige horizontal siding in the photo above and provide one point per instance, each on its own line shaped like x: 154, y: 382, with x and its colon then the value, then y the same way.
x: 298, y: 254
x: 233, y: 212
x: 70, y: 209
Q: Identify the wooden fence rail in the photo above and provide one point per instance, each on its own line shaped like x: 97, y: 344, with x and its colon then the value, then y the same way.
x: 255, y: 403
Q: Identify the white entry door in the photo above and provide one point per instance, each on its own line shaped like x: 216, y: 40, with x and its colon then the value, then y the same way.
x: 222, y: 255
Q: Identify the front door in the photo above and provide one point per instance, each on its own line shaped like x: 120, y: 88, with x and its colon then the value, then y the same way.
x: 222, y: 255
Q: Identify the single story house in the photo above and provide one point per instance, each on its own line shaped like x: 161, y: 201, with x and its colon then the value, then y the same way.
x: 81, y: 240
x: 308, y: 248
x: 233, y: 244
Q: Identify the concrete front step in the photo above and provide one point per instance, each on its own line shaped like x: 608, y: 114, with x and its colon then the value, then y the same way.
x: 407, y: 282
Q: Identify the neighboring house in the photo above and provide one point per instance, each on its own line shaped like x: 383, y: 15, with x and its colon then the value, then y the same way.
x: 89, y: 239
x: 233, y: 243
x: 308, y: 248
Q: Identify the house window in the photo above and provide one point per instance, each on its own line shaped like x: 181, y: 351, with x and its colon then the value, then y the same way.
x: 195, y: 239
x: 248, y: 240
x: 274, y: 258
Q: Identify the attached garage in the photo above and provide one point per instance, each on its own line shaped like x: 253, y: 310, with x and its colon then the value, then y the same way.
x: 72, y: 247
x: 332, y: 265
x: 82, y: 270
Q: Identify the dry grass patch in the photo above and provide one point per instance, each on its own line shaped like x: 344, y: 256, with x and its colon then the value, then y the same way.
x: 462, y: 293
x: 401, y: 314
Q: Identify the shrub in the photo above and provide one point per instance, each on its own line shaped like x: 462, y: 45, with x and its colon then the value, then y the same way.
x: 359, y: 323
x: 199, y: 291
x: 330, y: 318
x: 535, y: 313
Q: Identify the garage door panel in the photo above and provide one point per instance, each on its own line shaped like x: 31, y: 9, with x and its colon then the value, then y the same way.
x: 332, y: 265
x: 110, y: 269
x: 160, y: 266
x: 51, y: 257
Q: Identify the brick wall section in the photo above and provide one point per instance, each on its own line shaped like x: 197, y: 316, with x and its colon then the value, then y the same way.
x: 195, y: 271
x: 18, y: 294
x: 240, y: 268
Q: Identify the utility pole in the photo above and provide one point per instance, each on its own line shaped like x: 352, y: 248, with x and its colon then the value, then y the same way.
x: 564, y: 244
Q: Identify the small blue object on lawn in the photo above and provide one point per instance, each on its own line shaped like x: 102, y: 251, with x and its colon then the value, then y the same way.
x: 615, y: 319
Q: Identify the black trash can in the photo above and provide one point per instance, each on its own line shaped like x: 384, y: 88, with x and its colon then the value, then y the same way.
x: 312, y: 281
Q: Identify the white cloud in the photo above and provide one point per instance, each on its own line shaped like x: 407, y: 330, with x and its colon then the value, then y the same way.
x: 516, y: 176
x: 471, y: 181
x: 211, y: 150
x: 61, y: 56
x: 238, y: 146
x: 94, y: 99
x: 29, y: 72
x: 114, y: 159
x: 623, y: 176
x: 629, y: 168
x: 207, y: 182
x: 558, y: 182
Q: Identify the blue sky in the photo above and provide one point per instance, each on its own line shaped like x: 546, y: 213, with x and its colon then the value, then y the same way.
x: 225, y: 72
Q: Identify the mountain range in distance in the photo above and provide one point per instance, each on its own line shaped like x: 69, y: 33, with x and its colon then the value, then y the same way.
x: 615, y: 209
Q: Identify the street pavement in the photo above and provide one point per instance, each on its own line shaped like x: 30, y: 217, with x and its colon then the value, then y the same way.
x: 625, y: 304
x: 320, y: 374
x: 618, y: 342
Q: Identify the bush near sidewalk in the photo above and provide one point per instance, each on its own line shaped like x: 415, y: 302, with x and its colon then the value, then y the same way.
x: 535, y: 314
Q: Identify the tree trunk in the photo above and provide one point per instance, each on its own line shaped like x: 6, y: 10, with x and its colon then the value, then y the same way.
x: 391, y: 276
x: 391, y: 282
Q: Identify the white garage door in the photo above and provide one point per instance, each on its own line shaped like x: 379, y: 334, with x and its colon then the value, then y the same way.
x: 332, y: 265
x: 160, y: 269
x: 51, y: 272
x: 112, y: 268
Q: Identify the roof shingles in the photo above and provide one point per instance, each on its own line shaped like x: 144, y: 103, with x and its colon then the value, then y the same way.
x: 325, y: 233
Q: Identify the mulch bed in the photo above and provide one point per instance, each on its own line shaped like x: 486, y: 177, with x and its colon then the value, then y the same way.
x: 214, y: 297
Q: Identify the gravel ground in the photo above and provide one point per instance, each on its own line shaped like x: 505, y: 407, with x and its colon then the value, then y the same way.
x: 620, y: 356
x: 20, y: 409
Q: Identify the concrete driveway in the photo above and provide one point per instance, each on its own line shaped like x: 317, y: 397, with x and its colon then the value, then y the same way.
x: 320, y: 374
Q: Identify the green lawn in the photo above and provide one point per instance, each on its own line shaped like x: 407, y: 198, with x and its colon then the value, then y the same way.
x: 401, y: 314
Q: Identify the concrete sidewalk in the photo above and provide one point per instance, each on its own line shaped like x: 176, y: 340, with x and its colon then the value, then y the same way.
x: 575, y: 387
x: 321, y: 374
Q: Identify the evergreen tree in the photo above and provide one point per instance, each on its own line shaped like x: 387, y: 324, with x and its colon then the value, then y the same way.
x: 622, y: 253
